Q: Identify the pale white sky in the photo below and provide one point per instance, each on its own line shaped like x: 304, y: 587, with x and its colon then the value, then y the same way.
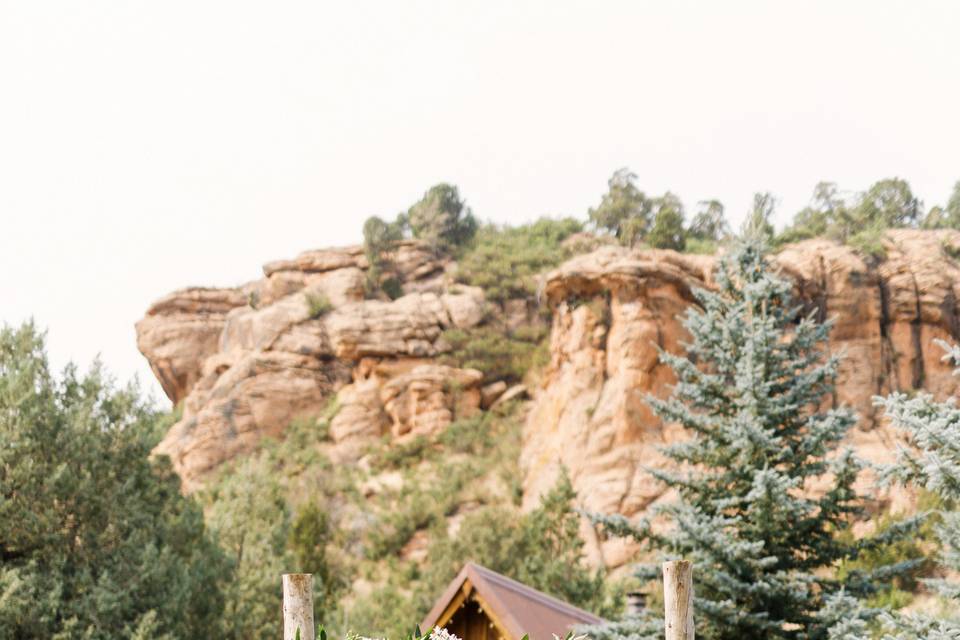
x: 146, y: 146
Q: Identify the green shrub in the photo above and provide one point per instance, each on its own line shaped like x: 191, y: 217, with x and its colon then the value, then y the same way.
x: 869, y: 242
x: 318, y: 305
x: 500, y: 355
x: 392, y: 287
x: 399, y: 455
x: 469, y: 435
x: 701, y: 246
x: 542, y: 549
x: 505, y: 261
x: 275, y: 511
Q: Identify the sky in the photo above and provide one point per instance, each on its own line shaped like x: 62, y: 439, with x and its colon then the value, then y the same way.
x: 149, y: 146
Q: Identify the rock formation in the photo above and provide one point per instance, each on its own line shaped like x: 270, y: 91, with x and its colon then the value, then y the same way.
x: 244, y: 362
x: 613, y: 308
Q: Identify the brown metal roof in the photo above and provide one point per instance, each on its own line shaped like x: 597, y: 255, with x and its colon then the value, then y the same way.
x: 515, y: 609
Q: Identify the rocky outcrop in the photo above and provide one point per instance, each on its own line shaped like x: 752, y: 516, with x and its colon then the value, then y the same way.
x: 613, y: 308
x: 245, y: 362
x: 180, y: 331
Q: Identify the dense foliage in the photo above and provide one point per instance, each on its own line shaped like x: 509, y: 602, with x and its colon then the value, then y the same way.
x: 501, y: 354
x: 749, y: 392
x: 506, y: 261
x: 276, y: 511
x: 667, y: 231
x: 96, y: 540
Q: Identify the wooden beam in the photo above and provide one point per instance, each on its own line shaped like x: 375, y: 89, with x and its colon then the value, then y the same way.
x: 454, y: 605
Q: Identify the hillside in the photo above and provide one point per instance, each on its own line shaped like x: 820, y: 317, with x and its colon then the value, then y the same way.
x: 453, y: 400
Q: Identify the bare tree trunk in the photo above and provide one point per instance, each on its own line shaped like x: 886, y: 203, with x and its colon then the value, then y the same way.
x: 678, y: 599
x: 298, y: 606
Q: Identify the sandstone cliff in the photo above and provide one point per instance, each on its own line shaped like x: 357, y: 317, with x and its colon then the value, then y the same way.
x: 612, y: 308
x: 244, y: 362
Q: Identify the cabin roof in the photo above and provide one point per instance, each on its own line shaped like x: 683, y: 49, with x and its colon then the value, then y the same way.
x: 514, y: 608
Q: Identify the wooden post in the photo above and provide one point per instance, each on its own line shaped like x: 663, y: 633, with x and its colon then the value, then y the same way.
x: 298, y: 606
x: 678, y: 599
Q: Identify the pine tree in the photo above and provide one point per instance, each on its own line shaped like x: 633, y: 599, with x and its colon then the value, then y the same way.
x: 934, y: 429
x: 96, y: 540
x: 750, y: 393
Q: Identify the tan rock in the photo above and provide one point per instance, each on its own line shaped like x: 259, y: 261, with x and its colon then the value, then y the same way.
x: 277, y: 285
x: 465, y: 305
x: 320, y: 260
x: 389, y: 481
x: 408, y: 326
x: 247, y: 361
x: 513, y: 393
x: 180, y: 331
x: 360, y: 417
x: 414, y: 260
x: 256, y: 397
x: 340, y: 286
x: 429, y: 397
x: 490, y: 393
x: 243, y: 371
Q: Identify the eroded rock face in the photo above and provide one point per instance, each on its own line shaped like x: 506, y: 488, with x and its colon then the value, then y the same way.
x: 245, y: 362
x: 613, y: 308
x: 180, y: 331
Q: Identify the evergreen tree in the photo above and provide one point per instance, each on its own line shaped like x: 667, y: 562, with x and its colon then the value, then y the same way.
x: 625, y: 211
x: 749, y: 392
x: 759, y: 220
x: 667, y: 231
x: 96, y: 540
x: 934, y: 464
x: 441, y: 218
x: 710, y: 222
x: 947, y: 217
x: 379, y: 238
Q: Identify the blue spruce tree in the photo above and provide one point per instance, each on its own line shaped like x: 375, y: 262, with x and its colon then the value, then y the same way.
x: 750, y: 391
x: 934, y: 464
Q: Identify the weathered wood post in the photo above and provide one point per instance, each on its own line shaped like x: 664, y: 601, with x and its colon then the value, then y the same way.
x: 298, y: 606
x: 678, y: 599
